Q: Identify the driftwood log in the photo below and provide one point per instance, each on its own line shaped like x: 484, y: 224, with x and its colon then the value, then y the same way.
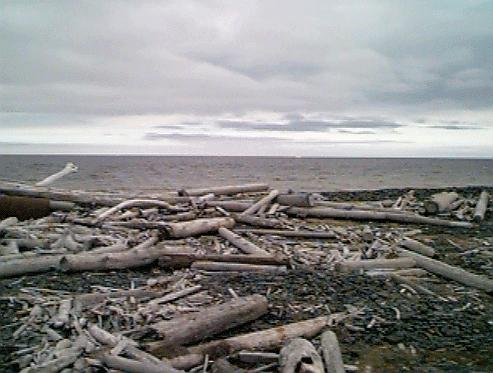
x: 133, y: 366
x: 298, y: 199
x: 241, y: 243
x: 261, y: 203
x: 286, y: 233
x: 481, y: 206
x: 373, y: 215
x: 355, y: 265
x: 299, y: 355
x: 440, y: 202
x: 331, y: 352
x: 237, y: 267
x: 211, y: 320
x: 181, y: 260
x: 418, y: 247
x: 257, y: 221
x: 197, y: 226
x: 225, y: 190
x: 233, y: 206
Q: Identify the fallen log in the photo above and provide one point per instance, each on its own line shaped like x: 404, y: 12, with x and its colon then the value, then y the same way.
x: 373, y: 215
x: 421, y: 289
x: 261, y: 340
x: 197, y: 226
x: 181, y: 260
x: 211, y: 320
x: 354, y: 265
x: 256, y: 221
x: 36, y: 264
x: 68, y: 169
x: 286, y: 233
x: 355, y: 206
x: 299, y: 355
x: 453, y: 273
x: 232, y: 206
x: 298, y: 200
x: 142, y: 203
x: 241, y: 243
x: 440, y: 202
x: 86, y: 300
x: 331, y: 352
x: 262, y: 202
x: 237, y: 267
x: 222, y: 365
x: 418, y: 247
x: 133, y: 366
x: 481, y: 206
x: 225, y: 190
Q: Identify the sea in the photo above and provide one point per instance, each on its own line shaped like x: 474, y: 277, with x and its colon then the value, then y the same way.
x: 154, y: 174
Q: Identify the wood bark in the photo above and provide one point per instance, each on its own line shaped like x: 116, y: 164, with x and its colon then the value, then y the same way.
x: 257, y: 221
x: 237, y: 267
x: 481, y: 206
x: 262, y: 340
x: 349, y: 266
x: 286, y: 233
x: 331, y: 353
x: 453, y: 273
x: 262, y: 202
x: 211, y: 320
x: 225, y: 190
x: 418, y: 247
x: 440, y: 202
x: 299, y: 355
x: 241, y: 243
x: 198, y: 226
x: 181, y: 260
x: 298, y: 200
x: 373, y: 215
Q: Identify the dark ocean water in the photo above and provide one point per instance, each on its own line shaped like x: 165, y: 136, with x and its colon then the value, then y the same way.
x: 147, y: 173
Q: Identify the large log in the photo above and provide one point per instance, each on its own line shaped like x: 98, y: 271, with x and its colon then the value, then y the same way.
x: 211, y: 320
x: 262, y: 340
x: 481, y: 206
x: 181, y: 260
x: 86, y: 300
x: 198, y: 226
x: 262, y: 202
x: 142, y: 203
x: 418, y: 247
x: 133, y: 366
x: 224, y: 190
x: 454, y: 273
x: 37, y: 264
x: 241, y: 243
x: 5, y: 223
x: 331, y: 352
x: 257, y: 221
x: 298, y: 200
x: 299, y: 355
x: 286, y: 233
x: 440, y: 202
x: 234, y: 206
x: 68, y: 169
x: 237, y: 267
x: 373, y: 215
x: 354, y: 265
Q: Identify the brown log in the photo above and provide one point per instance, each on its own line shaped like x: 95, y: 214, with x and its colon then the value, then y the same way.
x: 262, y: 202
x: 241, y: 243
x: 181, y: 260
x: 481, y: 206
x: 349, y: 266
x: 440, y: 202
x: 257, y: 221
x: 224, y: 190
x: 373, y: 215
x: 299, y: 355
x: 286, y: 233
x: 454, y: 273
x: 198, y: 226
x: 418, y: 247
x: 298, y: 200
x: 332, y: 353
x: 211, y: 320
x: 24, y: 207
x: 262, y: 340
x: 237, y: 267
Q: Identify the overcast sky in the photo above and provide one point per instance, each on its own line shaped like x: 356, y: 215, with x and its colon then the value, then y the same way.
x: 301, y: 78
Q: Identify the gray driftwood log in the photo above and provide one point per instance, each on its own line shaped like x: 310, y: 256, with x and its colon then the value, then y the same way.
x: 354, y: 265
x: 237, y: 267
x: 418, y: 247
x: 262, y: 202
x: 225, y: 190
x: 331, y: 352
x: 299, y: 355
x: 440, y: 202
x: 181, y: 260
x: 241, y: 243
x: 481, y: 206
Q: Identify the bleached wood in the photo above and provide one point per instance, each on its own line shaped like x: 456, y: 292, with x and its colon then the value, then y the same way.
x: 331, y: 353
x: 241, y: 243
x: 225, y: 190
x: 262, y: 202
x: 68, y: 169
x: 481, y: 206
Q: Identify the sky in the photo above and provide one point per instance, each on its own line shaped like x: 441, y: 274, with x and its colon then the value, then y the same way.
x: 373, y: 78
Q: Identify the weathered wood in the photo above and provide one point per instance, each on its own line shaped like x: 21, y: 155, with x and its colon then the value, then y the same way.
x: 222, y: 365
x: 257, y: 357
x: 454, y: 273
x: 37, y: 264
x: 356, y: 206
x: 299, y: 355
x: 440, y: 202
x: 55, y: 365
x: 241, y: 243
x: 354, y: 265
x: 286, y: 233
x: 224, y: 190
x: 86, y: 300
x: 198, y: 226
x: 262, y: 202
x: 7, y: 222
x: 181, y: 260
x: 211, y: 320
x: 421, y: 289
x: 373, y: 215
x: 133, y: 366
x: 261, y: 340
x: 418, y: 247
x: 298, y: 200
x: 256, y: 221
x: 481, y: 206
x: 142, y: 203
x: 68, y: 169
x: 237, y: 267
x: 233, y: 206
x: 331, y: 353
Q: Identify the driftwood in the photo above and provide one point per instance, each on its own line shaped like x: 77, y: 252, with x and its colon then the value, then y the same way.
x: 256, y: 221
x: 418, y: 247
x: 237, y: 267
x: 373, y: 215
x: 354, y: 265
x: 241, y: 243
x: 225, y: 190
x: 68, y: 169
x: 198, y: 226
x: 211, y: 320
x: 421, y: 289
x: 142, y: 203
x: 298, y: 200
x: 37, y: 264
x: 5, y: 223
x: 262, y: 202
x: 222, y: 365
x: 299, y: 355
x: 180, y: 260
x: 234, y: 206
x: 262, y: 340
x: 481, y: 206
x: 440, y: 202
x: 257, y: 357
x: 86, y: 300
x: 331, y: 353
x: 133, y: 366
x: 286, y: 233
x: 454, y: 273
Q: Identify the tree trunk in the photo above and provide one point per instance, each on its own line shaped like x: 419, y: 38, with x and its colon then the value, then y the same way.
x: 440, y: 202
x: 225, y: 190
x: 237, y: 267
x: 481, y: 206
x: 133, y: 366
x: 198, y: 226
x: 211, y: 320
x: 332, y: 353
x: 349, y: 266
x: 298, y: 200
x: 257, y: 221
x: 233, y: 206
x: 286, y: 233
x: 418, y: 247
x: 244, y: 245
x: 372, y: 215
x: 262, y: 202
x: 38, y: 264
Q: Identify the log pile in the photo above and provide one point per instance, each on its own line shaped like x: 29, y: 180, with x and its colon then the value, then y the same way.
x: 201, y: 233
